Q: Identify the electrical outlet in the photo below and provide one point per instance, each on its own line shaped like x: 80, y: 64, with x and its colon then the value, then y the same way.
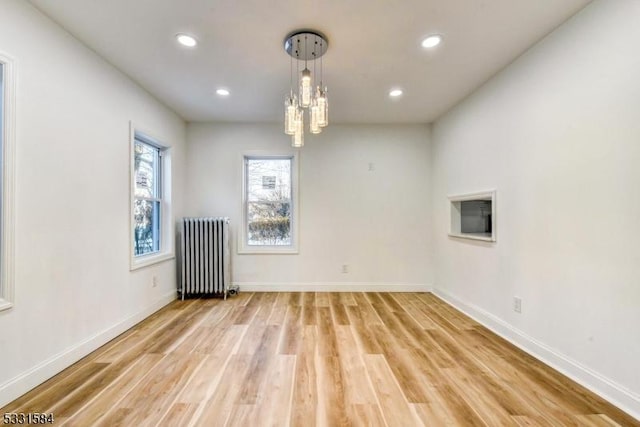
x: 154, y: 281
x: 517, y: 304
x: 345, y: 268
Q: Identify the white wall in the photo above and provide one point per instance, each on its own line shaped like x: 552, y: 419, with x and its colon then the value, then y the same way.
x: 376, y: 221
x: 73, y: 287
x: 557, y: 134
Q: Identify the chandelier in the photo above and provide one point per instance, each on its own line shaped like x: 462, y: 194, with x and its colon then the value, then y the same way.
x: 305, y: 46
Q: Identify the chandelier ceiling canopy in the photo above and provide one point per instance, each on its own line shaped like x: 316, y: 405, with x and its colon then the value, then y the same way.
x: 306, y: 45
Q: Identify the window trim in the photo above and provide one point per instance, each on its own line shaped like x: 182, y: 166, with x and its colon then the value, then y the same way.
x: 166, y: 251
x: 7, y: 215
x: 243, y: 247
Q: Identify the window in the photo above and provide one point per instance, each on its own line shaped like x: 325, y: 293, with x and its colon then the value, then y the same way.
x: 7, y: 150
x: 147, y: 205
x: 269, y: 204
x: 151, y: 218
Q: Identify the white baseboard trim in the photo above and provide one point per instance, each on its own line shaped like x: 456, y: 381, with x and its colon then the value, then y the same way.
x: 331, y: 287
x: 35, y: 376
x: 609, y: 390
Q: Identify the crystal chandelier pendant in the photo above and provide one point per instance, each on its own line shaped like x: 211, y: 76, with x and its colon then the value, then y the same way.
x: 297, y: 140
x: 290, y: 107
x: 314, y: 112
x: 323, y: 107
x: 305, y: 88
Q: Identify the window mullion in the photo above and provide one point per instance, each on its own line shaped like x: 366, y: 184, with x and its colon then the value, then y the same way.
x: 148, y: 199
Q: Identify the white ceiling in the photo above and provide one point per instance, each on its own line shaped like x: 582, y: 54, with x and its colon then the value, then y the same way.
x: 374, y: 45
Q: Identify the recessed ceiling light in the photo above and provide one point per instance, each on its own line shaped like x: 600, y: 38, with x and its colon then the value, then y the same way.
x: 432, y: 41
x: 395, y: 93
x: 223, y: 92
x: 186, y: 40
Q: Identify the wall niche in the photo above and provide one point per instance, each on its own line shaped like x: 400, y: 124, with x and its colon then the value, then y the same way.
x: 473, y: 216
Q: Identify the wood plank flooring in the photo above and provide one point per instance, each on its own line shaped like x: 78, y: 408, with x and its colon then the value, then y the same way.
x: 304, y: 359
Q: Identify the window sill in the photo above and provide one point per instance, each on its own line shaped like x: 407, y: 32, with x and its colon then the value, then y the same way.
x: 479, y: 236
x: 147, y: 260
x: 5, y: 305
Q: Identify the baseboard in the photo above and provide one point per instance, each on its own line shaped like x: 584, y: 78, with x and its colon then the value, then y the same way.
x: 609, y: 390
x: 35, y: 376
x: 331, y: 287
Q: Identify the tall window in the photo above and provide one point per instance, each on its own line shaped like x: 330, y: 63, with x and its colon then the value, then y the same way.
x: 7, y: 167
x: 151, y: 236
x: 269, y: 204
x: 147, y: 205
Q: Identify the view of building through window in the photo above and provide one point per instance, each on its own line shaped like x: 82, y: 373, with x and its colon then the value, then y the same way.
x: 147, y: 198
x: 268, y: 197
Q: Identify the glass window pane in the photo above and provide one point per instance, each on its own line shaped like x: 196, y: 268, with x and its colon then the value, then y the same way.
x: 146, y: 235
x: 268, y: 179
x: 146, y: 161
x: 269, y: 223
x: 268, y: 202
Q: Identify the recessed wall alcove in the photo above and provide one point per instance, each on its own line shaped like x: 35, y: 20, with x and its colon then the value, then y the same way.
x: 473, y: 216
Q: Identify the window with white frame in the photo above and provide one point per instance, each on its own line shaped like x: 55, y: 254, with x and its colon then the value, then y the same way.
x: 269, y: 204
x: 7, y: 167
x: 151, y: 216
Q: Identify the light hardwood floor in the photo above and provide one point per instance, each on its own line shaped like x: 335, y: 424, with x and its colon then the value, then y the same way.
x: 303, y: 359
